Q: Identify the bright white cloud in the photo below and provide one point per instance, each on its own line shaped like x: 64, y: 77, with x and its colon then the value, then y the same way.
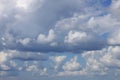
x: 102, y: 24
x: 23, y: 4
x: 58, y: 60
x: 72, y: 65
x: 102, y: 61
x: 46, y: 39
x: 3, y: 57
x: 8, y: 60
x: 74, y: 37
x: 28, y: 5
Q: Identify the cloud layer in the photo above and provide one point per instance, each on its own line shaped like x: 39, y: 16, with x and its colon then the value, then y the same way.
x: 55, y: 25
x: 41, y: 38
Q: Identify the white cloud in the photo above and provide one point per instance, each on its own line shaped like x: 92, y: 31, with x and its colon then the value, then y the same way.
x: 44, y: 71
x: 4, y: 67
x: 103, y: 61
x: 46, y: 39
x: 59, y: 23
x: 56, y: 22
x: 112, y: 58
x: 32, y: 68
x: 3, y: 57
x: 25, y: 41
x: 74, y: 37
x: 27, y: 6
x: 8, y: 60
x: 76, y: 22
x: 89, y: 22
x: 102, y: 24
x: 57, y: 60
x: 23, y: 4
x: 72, y: 65
x: 69, y: 23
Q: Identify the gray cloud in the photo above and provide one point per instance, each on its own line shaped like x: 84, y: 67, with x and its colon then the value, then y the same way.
x: 27, y: 21
x: 30, y: 56
x: 88, y: 27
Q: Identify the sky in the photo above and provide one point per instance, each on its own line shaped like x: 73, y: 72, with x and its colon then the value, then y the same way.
x: 59, y: 39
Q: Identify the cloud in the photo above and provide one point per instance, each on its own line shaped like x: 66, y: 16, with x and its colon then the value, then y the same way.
x: 75, y: 37
x: 103, y: 61
x: 13, y: 54
x: 30, y: 56
x: 46, y: 39
x: 49, y: 22
x: 32, y: 68
x: 3, y: 57
x: 72, y: 65
x: 25, y: 41
x: 114, y: 38
x: 114, y: 8
x: 35, y: 32
x: 58, y: 60
x: 98, y: 62
x: 10, y: 62
x: 8, y: 74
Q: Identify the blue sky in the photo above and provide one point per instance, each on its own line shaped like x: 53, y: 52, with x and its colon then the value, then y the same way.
x: 59, y: 39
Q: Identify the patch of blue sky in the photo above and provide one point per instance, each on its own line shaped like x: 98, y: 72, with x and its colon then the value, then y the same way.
x: 98, y: 3
x: 105, y: 3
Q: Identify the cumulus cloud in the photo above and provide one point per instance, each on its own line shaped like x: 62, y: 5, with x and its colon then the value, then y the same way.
x: 49, y: 22
x: 72, y: 65
x: 98, y: 63
x: 46, y: 39
x: 8, y: 62
x: 102, y: 62
x: 75, y: 37
x: 58, y: 60
x: 12, y: 54
x: 88, y: 27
